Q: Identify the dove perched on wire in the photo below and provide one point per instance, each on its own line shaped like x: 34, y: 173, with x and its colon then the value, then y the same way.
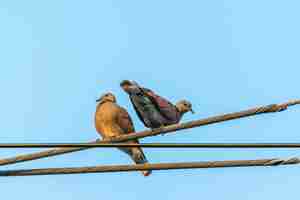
x: 111, y: 121
x: 153, y: 110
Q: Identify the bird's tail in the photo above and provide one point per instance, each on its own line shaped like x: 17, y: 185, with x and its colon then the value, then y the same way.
x: 138, y: 156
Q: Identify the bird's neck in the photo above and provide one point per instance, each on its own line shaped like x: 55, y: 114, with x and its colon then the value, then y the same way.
x: 104, y: 102
x: 180, y: 111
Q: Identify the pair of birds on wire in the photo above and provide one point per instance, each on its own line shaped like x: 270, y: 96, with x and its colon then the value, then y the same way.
x: 111, y: 120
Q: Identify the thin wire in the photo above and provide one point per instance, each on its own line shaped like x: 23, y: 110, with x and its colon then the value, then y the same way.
x: 151, y: 166
x: 151, y: 145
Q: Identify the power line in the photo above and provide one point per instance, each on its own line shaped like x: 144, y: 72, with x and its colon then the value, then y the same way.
x: 150, y: 145
x: 158, y: 166
x: 163, y: 130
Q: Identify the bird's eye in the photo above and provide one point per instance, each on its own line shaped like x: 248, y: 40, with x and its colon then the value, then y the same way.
x: 188, y: 105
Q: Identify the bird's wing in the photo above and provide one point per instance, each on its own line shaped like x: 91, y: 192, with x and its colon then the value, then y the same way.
x: 138, y: 112
x: 139, y: 100
x: 125, y: 121
x: 126, y: 125
x: 166, y: 108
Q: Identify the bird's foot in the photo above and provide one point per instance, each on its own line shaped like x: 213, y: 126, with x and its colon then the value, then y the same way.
x: 108, y: 139
x: 162, y: 126
x: 113, y: 138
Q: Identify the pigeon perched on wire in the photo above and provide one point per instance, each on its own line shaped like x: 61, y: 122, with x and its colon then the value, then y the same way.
x: 153, y: 110
x: 111, y: 121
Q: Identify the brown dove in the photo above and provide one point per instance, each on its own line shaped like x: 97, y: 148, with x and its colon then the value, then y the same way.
x: 111, y: 120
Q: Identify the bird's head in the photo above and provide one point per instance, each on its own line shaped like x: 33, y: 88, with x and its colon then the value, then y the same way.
x: 126, y: 85
x: 107, y: 97
x: 184, y: 106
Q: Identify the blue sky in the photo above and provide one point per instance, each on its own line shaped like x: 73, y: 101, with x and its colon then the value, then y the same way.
x: 224, y: 56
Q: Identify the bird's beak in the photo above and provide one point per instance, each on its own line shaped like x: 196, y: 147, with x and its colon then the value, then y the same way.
x: 192, y: 111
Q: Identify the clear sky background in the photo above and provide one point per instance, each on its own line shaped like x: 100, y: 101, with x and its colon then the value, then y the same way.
x: 58, y: 56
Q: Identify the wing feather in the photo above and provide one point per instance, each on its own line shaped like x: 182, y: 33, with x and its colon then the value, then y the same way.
x: 125, y: 121
x: 166, y: 108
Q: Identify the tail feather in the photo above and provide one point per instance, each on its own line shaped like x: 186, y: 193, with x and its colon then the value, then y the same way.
x: 138, y: 156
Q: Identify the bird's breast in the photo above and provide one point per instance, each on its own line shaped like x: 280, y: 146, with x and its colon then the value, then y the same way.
x: 105, y: 120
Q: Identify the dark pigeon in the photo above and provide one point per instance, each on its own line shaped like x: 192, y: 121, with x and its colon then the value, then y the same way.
x: 153, y: 110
